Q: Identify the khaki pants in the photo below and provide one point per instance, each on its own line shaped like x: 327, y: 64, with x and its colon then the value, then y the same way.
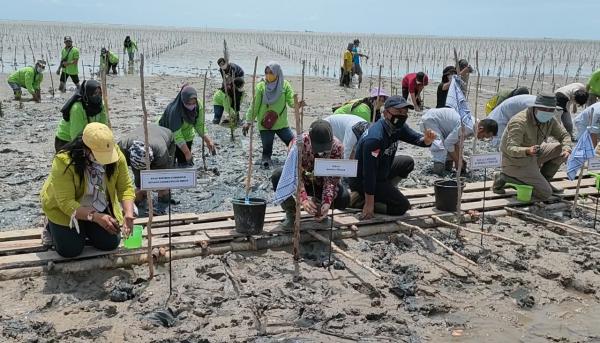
x: 536, y: 170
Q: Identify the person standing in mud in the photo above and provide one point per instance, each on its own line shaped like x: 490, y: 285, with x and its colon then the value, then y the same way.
x: 108, y: 60
x: 347, y: 66
x: 444, y: 86
x: 317, y: 194
x: 365, y: 108
x: 527, y: 157
x: 272, y: 97
x: 84, y: 107
x: 29, y: 78
x: 131, y: 47
x: 68, y: 67
x: 88, y: 194
x: 184, y: 116
x: 161, y: 155
x: 356, y: 55
x: 229, y: 96
x: 379, y: 169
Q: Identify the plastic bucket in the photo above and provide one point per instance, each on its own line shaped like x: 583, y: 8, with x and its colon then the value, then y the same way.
x: 249, y: 216
x: 446, y: 194
x: 134, y: 241
x: 523, y: 191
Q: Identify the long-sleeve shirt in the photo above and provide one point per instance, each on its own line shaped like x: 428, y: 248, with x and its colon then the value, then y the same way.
x: 132, y: 47
x: 523, y: 131
x: 187, y: 131
x: 363, y: 110
x: 258, y: 108
x: 27, y: 77
x: 503, y: 113
x: 234, y: 71
x: 78, y: 119
x: 376, y: 150
x: 328, y: 184
x: 341, y: 125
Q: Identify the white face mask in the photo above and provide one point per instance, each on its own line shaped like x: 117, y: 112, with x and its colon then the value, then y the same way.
x: 544, y: 116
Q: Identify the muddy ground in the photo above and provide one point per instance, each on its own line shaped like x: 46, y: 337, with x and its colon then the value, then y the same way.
x: 544, y: 291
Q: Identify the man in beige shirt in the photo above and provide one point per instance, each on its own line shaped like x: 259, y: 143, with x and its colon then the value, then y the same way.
x: 567, y: 98
x: 527, y: 157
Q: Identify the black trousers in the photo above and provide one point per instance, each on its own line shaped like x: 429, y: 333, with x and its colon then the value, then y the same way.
x: 341, y: 201
x: 69, y: 243
x: 386, y: 191
x: 64, y: 77
x: 180, y: 156
x: 406, y: 93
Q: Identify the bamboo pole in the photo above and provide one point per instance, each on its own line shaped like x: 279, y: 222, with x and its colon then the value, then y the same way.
x: 204, y: 109
x: 536, y: 218
x: 377, y: 104
x: 251, y: 148
x: 478, y: 82
x: 343, y: 253
x: 438, y: 242
x: 50, y: 72
x: 149, y: 192
x: 296, y: 240
x: 462, y: 228
x: 105, y: 96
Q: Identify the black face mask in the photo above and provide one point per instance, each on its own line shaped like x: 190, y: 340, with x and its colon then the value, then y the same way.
x: 95, y: 100
x: 398, y: 121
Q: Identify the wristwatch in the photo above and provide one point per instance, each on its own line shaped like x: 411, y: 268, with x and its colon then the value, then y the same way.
x: 90, y: 216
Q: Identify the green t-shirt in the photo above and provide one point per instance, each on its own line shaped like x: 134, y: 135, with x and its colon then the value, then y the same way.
x: 69, y: 130
x: 187, y: 131
x: 280, y: 106
x: 27, y: 77
x: 594, y: 83
x: 132, y: 47
x: 221, y: 99
x: 70, y: 55
x: 361, y: 110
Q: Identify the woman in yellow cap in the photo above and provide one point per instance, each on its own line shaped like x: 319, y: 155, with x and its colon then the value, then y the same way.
x: 88, y: 194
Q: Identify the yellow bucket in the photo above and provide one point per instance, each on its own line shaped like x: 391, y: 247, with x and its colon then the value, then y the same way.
x: 523, y: 191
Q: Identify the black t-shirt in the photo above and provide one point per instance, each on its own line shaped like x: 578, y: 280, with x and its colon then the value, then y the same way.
x: 441, y: 96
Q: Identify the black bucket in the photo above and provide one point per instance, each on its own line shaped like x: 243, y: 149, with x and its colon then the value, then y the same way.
x: 249, y: 216
x: 446, y: 194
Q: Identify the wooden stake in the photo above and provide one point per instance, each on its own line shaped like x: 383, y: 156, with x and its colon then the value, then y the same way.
x: 251, y: 148
x: 476, y: 122
x: 458, y: 227
x: 204, y: 109
x: 148, y: 193
x: 105, y: 96
x: 299, y: 144
x: 378, y: 93
x: 536, y: 218
x: 423, y: 233
x: 343, y: 253
x: 50, y: 72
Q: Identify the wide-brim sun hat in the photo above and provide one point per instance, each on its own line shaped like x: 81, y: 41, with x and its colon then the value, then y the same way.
x: 100, y: 140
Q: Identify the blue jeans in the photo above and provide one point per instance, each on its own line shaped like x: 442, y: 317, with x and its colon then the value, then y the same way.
x: 268, y: 136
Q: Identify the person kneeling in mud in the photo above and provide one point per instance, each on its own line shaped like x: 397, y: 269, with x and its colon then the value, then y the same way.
x: 527, y: 156
x: 446, y: 123
x: 81, y: 196
x: 229, y: 96
x: 379, y: 169
x: 161, y: 154
x: 317, y: 194
x: 29, y: 78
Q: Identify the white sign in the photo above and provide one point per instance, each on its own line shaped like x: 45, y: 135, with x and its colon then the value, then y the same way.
x: 335, y: 167
x: 484, y: 161
x: 161, y: 179
x: 594, y: 164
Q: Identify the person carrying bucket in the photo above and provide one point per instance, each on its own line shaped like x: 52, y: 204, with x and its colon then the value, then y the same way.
x: 365, y: 107
x: 317, y: 194
x: 446, y: 123
x: 527, y: 157
x: 379, y: 169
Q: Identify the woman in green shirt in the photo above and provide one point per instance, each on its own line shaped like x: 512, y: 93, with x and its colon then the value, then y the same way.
x: 269, y: 108
x: 183, y: 116
x: 84, y: 107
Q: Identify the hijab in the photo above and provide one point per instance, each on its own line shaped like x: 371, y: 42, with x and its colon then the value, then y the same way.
x: 176, y: 113
x: 83, y: 94
x: 273, y: 90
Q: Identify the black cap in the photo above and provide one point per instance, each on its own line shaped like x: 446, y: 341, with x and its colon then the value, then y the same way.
x: 321, y: 136
x: 396, y: 101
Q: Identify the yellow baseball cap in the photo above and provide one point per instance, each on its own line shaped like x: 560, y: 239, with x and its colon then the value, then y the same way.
x: 99, y: 138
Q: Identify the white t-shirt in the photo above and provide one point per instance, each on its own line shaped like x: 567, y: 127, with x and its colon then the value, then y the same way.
x: 342, y: 124
x: 446, y: 123
x: 582, y: 121
x: 510, y: 107
x: 570, y: 89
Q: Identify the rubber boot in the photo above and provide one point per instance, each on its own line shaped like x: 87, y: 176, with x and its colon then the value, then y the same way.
x: 289, y: 206
x: 62, y: 87
x: 499, y: 182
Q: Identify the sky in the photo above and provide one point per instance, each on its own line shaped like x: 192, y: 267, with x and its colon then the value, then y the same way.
x: 563, y: 19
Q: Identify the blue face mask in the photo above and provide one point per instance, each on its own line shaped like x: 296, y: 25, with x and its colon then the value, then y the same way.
x: 544, y: 116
